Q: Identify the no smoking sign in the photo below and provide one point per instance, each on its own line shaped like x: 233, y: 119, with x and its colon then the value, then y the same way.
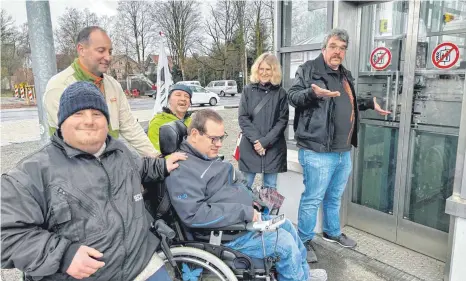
x: 445, y: 55
x: 381, y: 58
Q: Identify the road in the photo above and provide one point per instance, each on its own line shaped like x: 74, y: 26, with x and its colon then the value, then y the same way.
x: 143, y: 103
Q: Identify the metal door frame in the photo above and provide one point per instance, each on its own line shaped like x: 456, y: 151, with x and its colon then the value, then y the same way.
x: 395, y: 227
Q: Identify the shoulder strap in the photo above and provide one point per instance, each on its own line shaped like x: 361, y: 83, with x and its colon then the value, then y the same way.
x: 261, y: 104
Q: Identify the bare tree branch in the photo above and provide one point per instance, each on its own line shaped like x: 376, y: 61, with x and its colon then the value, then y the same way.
x: 69, y: 26
x: 137, y: 28
x: 179, y: 20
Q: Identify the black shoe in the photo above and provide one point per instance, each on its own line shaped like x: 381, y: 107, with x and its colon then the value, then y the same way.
x: 311, y: 255
x: 343, y: 240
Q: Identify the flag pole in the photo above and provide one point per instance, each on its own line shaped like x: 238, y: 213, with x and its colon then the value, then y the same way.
x: 164, y: 79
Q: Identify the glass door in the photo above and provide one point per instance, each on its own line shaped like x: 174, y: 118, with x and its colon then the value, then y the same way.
x: 405, y: 163
x: 432, y: 128
x: 383, y: 41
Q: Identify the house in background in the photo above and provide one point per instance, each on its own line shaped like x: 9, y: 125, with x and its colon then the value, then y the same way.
x: 122, y: 66
x: 151, y: 66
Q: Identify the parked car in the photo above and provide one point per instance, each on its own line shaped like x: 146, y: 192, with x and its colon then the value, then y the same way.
x: 201, y: 96
x: 189, y: 83
x: 223, y: 87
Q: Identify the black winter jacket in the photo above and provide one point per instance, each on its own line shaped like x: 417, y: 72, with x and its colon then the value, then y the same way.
x: 314, y: 116
x: 60, y: 198
x: 268, y: 126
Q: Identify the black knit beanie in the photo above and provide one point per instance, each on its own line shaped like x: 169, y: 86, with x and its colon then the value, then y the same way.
x: 79, y: 96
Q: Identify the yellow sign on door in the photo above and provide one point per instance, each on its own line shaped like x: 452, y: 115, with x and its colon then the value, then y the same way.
x: 383, y: 26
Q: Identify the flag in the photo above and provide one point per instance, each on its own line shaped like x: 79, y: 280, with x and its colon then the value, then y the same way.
x: 164, y: 81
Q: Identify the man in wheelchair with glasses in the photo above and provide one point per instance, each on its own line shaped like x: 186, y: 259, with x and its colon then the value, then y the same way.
x: 206, y: 193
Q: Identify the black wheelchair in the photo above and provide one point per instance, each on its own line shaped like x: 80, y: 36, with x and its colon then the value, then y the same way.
x: 197, y: 254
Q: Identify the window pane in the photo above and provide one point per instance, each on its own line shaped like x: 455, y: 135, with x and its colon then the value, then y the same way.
x: 290, y: 63
x: 377, y: 164
x: 304, y: 22
x: 432, y: 175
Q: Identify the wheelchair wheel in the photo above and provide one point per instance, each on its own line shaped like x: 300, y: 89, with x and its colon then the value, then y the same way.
x: 196, y: 265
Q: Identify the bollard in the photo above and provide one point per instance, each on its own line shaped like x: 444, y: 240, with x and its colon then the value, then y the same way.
x: 30, y: 97
x: 21, y: 90
x: 16, y: 91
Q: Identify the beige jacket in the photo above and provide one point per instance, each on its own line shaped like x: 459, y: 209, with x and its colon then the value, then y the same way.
x: 121, y: 119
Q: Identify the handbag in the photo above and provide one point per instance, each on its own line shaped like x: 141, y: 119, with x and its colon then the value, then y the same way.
x: 256, y: 110
x: 272, y: 199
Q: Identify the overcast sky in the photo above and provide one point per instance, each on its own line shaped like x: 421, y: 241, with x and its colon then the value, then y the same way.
x: 17, y: 8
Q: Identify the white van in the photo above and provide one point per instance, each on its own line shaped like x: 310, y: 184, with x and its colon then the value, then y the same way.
x: 223, y: 87
x: 197, y: 83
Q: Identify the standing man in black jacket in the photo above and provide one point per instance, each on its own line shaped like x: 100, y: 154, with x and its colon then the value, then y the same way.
x: 74, y: 209
x: 326, y: 127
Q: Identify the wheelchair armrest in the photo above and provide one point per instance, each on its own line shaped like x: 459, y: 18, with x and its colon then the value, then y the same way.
x: 234, y: 227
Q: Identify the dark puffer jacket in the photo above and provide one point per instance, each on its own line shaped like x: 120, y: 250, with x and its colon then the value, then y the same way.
x: 60, y: 198
x: 268, y: 126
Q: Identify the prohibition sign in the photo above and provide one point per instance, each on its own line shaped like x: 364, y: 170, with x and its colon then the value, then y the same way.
x: 380, y: 58
x: 445, y: 55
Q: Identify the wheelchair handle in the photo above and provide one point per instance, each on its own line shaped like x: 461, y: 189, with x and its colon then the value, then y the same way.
x: 163, y: 229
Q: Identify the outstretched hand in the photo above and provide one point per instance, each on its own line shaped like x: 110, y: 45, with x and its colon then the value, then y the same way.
x: 322, y: 93
x: 379, y: 109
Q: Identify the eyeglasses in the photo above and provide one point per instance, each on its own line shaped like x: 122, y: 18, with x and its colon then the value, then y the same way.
x: 215, y: 139
x: 334, y: 48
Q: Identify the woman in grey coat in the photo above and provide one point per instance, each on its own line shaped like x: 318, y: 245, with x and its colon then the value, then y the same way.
x: 263, y: 145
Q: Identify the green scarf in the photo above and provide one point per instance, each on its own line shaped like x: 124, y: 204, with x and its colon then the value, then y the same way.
x: 81, y: 74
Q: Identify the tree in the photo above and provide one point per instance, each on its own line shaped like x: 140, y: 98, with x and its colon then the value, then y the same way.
x: 260, y: 15
x: 137, y: 29
x: 179, y: 21
x: 69, y: 26
x: 7, y: 27
x: 9, y: 45
x: 240, y: 10
x: 222, y: 30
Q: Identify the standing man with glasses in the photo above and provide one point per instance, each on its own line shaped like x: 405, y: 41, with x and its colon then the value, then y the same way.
x: 326, y: 127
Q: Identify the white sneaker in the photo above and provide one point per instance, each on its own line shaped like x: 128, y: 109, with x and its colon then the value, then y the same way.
x: 318, y: 275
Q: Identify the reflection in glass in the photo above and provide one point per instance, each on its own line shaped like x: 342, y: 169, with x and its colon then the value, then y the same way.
x: 376, y: 168
x: 384, y: 25
x: 432, y: 175
x: 442, y: 21
x: 304, y: 22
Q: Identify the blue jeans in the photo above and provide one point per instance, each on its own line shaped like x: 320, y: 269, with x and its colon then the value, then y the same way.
x: 292, y: 264
x: 270, y: 180
x: 325, y: 177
